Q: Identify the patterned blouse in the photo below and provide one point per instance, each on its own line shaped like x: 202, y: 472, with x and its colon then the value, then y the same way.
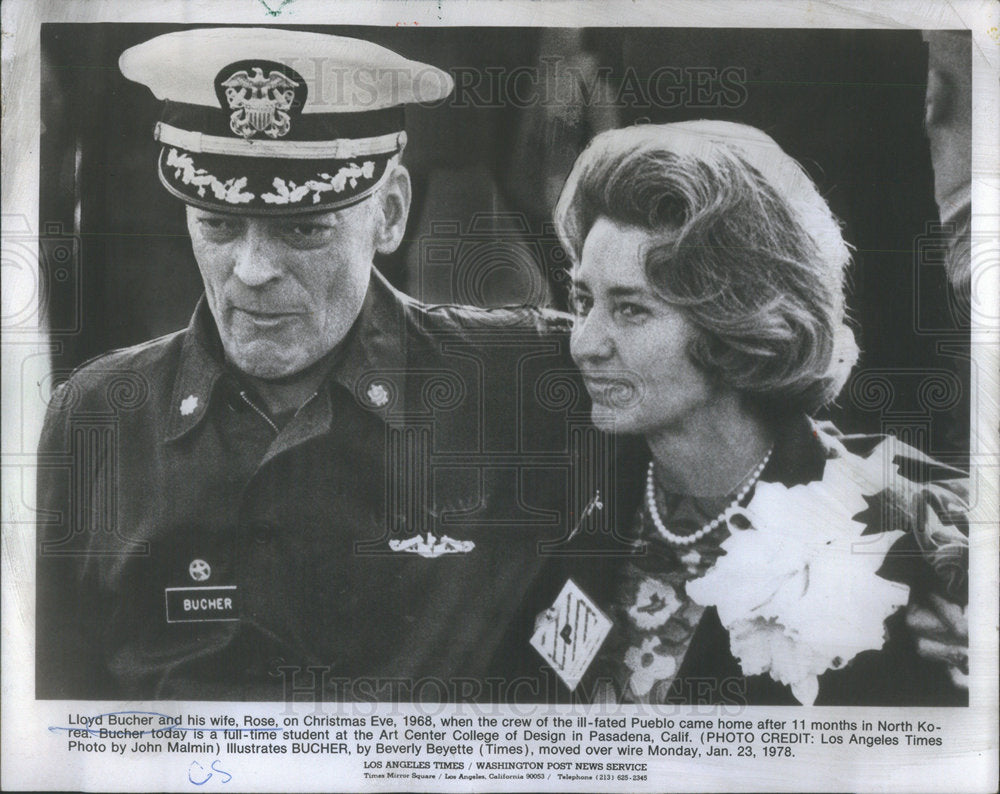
x: 656, y: 617
x: 656, y: 624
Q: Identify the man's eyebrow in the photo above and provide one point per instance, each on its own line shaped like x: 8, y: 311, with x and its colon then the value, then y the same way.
x: 199, y: 212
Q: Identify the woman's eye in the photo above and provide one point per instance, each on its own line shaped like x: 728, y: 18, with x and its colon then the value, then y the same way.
x: 632, y: 311
x: 580, y: 303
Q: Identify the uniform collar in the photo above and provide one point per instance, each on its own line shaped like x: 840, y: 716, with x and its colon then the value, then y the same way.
x: 372, y: 366
x: 198, y: 373
x: 374, y: 362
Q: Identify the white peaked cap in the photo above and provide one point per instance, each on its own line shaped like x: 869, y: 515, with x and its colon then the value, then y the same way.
x: 181, y: 67
x: 275, y: 121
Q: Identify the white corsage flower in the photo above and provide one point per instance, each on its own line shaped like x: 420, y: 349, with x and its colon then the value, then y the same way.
x: 648, y: 666
x: 654, y: 604
x: 798, y: 591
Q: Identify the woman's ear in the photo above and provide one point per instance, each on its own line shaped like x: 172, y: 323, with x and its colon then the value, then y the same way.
x: 393, y: 210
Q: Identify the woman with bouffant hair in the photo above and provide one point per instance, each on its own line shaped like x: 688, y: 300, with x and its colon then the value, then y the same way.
x: 776, y: 560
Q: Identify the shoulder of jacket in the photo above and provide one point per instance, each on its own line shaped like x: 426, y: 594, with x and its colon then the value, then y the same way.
x: 909, y: 461
x: 540, y: 320
x: 128, y: 368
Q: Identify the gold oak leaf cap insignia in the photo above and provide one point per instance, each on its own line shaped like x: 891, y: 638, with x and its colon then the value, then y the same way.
x: 274, y: 122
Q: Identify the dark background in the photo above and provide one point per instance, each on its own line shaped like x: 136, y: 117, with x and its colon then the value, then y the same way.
x: 847, y: 104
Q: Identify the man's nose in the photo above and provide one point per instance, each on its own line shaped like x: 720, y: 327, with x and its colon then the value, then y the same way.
x: 591, y: 338
x: 257, y: 258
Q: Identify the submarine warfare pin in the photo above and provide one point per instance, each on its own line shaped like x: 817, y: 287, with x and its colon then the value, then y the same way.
x: 430, y: 545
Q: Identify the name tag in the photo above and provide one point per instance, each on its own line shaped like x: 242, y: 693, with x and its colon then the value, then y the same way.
x: 201, y: 604
x: 570, y: 633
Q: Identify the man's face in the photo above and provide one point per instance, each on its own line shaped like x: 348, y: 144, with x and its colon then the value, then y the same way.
x: 283, y: 291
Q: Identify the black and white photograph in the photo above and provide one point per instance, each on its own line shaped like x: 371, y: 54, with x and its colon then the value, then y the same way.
x: 500, y: 398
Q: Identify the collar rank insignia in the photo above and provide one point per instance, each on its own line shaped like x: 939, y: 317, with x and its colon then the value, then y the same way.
x: 430, y: 545
x: 259, y: 103
x: 188, y: 405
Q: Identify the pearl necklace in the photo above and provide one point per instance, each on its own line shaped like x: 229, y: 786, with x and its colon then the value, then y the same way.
x: 687, y: 540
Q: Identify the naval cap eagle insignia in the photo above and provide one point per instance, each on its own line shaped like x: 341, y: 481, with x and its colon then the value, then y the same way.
x: 259, y: 103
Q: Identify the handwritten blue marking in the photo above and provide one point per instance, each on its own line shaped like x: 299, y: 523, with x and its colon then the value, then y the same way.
x: 274, y: 11
x: 198, y: 782
x: 221, y: 771
x: 215, y: 768
x: 96, y: 731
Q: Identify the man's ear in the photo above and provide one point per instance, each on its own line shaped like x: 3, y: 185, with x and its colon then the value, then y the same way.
x: 393, y: 210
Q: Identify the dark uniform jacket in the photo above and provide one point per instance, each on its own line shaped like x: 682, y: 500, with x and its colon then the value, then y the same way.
x: 187, y: 550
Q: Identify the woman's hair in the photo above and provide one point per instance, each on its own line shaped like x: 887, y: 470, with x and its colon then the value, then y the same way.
x: 745, y: 247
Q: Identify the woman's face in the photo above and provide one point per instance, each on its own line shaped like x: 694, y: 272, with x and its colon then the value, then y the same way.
x: 630, y: 345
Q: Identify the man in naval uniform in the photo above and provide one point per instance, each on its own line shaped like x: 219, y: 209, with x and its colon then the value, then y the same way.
x: 320, y: 489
